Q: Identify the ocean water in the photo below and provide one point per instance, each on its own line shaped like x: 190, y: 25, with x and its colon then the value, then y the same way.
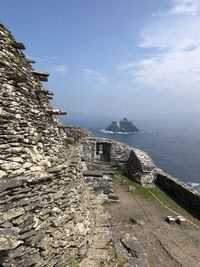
x: 175, y: 151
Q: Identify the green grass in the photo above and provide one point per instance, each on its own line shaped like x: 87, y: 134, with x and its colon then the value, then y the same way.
x: 74, y: 263
x: 116, y: 260
x: 145, y: 193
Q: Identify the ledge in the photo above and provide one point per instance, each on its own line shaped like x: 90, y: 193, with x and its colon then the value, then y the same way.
x: 44, y: 91
x: 42, y: 76
x: 56, y: 112
x: 18, y: 45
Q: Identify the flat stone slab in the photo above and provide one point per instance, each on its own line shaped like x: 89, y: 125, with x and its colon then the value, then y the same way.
x: 109, y: 172
x: 93, y: 173
x: 180, y: 220
x: 170, y: 219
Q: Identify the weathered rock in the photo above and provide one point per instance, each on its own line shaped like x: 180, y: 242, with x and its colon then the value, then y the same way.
x: 10, y: 165
x: 131, y: 188
x: 9, y: 242
x: 3, y: 174
x: 12, y: 213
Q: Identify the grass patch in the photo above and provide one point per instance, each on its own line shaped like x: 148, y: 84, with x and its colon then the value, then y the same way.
x: 74, y: 263
x: 145, y: 193
x: 116, y: 260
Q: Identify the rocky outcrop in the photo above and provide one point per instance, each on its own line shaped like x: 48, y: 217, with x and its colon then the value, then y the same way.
x: 124, y: 126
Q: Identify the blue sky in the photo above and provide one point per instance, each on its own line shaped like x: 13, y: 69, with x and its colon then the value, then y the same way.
x: 113, y: 58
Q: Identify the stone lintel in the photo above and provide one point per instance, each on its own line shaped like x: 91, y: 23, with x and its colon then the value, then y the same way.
x: 56, y: 112
x: 18, y: 45
x: 63, y: 127
x: 31, y: 61
x: 43, y: 91
x: 48, y: 92
x: 93, y: 173
x: 42, y: 76
x: 40, y: 73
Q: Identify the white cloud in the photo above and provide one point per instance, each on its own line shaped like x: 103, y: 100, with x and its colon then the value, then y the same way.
x: 171, y: 70
x: 181, y: 7
x: 173, y: 44
x: 93, y: 75
x: 62, y: 69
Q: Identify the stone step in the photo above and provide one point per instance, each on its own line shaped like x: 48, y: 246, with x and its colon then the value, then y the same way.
x: 109, y: 172
x: 113, y: 201
x: 113, y: 197
x: 93, y: 173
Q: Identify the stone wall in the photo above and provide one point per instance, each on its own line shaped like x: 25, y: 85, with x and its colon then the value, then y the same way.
x: 46, y: 221
x: 135, y: 163
x: 46, y: 215
x: 29, y: 135
x: 186, y: 195
x: 118, y: 154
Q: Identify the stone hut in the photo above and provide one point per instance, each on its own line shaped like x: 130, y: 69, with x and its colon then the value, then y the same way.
x: 46, y: 208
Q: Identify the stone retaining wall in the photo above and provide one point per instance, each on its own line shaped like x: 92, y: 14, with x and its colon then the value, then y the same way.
x: 185, y: 194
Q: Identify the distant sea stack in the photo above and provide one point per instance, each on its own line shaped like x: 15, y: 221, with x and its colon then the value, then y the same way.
x: 124, y: 126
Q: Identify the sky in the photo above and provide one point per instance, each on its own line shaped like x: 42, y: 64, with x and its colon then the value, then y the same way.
x: 113, y: 58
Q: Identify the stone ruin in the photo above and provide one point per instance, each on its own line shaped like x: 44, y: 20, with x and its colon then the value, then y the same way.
x: 49, y: 215
x: 108, y: 155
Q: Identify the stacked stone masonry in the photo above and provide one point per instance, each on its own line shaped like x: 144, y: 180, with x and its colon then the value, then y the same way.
x: 134, y: 162
x: 30, y: 137
x: 137, y: 165
x: 46, y: 208
x: 49, y: 215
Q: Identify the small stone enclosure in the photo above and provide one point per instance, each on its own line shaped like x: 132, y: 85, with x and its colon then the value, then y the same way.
x: 104, y: 154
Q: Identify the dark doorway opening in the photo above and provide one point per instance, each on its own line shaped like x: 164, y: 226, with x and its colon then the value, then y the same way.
x: 103, y: 150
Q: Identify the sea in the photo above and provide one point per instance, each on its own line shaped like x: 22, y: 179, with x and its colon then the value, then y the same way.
x: 176, y: 151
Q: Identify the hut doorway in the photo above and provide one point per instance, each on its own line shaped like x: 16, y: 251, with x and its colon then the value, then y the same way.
x: 103, y: 150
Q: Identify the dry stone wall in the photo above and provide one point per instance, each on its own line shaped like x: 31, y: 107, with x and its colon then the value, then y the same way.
x: 138, y: 165
x: 46, y: 218
x: 186, y: 195
x: 30, y: 136
x: 135, y: 163
x: 46, y: 221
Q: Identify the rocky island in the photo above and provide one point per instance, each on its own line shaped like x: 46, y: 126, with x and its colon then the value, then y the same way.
x: 124, y: 126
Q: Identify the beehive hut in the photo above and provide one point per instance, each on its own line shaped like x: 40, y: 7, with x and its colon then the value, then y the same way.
x: 46, y: 217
